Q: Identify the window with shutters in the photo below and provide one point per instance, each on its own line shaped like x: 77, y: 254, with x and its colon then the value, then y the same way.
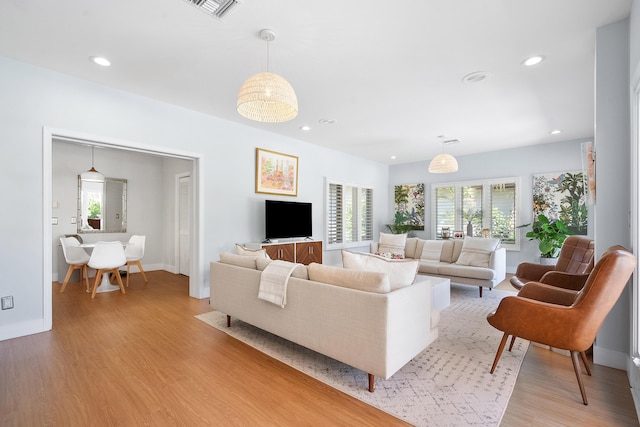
x: 349, y: 215
x: 478, y: 205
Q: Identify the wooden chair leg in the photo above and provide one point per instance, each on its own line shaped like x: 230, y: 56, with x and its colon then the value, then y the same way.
x: 499, y: 352
x: 513, y: 340
x: 116, y: 272
x: 583, y: 355
x: 85, y: 268
x: 144, y: 276
x: 95, y: 282
x: 128, y: 274
x: 576, y: 368
x: 66, y: 278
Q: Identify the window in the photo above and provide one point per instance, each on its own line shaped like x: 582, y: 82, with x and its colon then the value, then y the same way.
x: 488, y: 204
x: 349, y: 215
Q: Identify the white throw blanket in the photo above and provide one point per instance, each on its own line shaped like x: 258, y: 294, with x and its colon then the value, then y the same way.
x: 273, y: 282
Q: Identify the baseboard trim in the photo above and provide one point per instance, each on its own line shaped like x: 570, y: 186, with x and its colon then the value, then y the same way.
x: 610, y: 358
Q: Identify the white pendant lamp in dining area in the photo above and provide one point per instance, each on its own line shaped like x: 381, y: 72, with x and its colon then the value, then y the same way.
x: 443, y: 163
x: 92, y: 174
x: 267, y: 97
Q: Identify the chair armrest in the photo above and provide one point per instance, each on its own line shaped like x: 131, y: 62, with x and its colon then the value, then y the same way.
x: 565, y: 280
x: 548, y: 293
x: 530, y: 272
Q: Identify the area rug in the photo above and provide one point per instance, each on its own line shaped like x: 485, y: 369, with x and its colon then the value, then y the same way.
x: 448, y: 384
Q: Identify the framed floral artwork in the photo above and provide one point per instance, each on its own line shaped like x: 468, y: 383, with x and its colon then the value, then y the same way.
x: 562, y: 195
x: 409, y: 206
x: 276, y: 173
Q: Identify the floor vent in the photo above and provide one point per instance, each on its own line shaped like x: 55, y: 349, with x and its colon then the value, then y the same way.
x: 217, y: 8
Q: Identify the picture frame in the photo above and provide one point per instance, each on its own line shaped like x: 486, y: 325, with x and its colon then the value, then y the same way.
x: 457, y: 234
x: 276, y: 173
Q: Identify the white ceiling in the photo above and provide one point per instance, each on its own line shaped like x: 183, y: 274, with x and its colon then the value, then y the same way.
x: 389, y: 73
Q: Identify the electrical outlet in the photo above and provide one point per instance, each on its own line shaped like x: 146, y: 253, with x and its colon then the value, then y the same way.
x: 7, y: 303
x: 73, y: 220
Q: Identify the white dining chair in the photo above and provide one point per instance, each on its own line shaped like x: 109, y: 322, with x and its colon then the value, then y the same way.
x: 107, y: 257
x: 134, y: 253
x: 77, y: 258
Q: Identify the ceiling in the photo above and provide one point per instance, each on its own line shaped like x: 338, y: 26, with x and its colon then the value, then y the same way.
x: 386, y: 76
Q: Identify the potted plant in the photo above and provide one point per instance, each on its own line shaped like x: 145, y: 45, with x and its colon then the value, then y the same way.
x: 550, y: 234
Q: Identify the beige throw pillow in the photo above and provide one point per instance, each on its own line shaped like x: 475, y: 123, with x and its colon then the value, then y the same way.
x: 239, y: 260
x: 476, y: 251
x: 392, y: 244
x: 401, y: 272
x: 361, y: 280
x: 241, y: 250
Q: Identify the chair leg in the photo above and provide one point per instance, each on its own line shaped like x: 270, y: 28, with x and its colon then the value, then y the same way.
x: 116, y: 272
x: 499, y: 352
x: 67, y: 277
x: 96, y: 281
x: 513, y: 340
x: 144, y: 276
x: 576, y: 368
x: 128, y: 274
x: 587, y: 368
x: 86, y: 277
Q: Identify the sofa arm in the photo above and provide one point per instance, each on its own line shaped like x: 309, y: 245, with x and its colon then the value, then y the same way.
x: 498, y: 263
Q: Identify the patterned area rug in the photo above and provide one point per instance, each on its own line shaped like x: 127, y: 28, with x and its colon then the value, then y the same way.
x: 448, y: 384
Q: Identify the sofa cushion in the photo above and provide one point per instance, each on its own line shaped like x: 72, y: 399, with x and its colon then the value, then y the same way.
x: 369, y: 281
x: 410, y: 248
x: 401, y: 272
x: 300, y: 271
x: 476, y: 251
x: 392, y: 244
x: 466, y: 271
x: 241, y: 250
x: 239, y: 260
x: 431, y: 250
x: 447, y: 251
x: 429, y: 267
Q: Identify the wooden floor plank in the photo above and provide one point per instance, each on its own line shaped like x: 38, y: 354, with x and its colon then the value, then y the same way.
x: 143, y: 359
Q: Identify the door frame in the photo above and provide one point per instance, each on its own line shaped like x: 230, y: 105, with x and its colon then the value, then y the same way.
x: 176, y: 253
x: 197, y: 287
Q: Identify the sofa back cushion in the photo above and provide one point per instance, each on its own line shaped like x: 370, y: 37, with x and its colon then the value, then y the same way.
x: 392, y: 244
x: 369, y: 281
x: 300, y: 271
x: 239, y: 260
x: 401, y: 272
x: 411, y: 247
x: 432, y: 250
x: 476, y: 251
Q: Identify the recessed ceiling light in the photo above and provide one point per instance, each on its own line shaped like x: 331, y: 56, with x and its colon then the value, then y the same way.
x: 475, y: 77
x: 392, y: 157
x: 556, y: 132
x: 305, y: 128
x: 100, y: 61
x: 533, y: 60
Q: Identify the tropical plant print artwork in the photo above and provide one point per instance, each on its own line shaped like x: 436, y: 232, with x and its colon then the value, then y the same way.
x: 276, y: 173
x: 562, y: 195
x: 409, y: 206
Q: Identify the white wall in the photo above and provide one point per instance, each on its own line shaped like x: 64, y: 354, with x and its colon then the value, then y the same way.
x: 33, y: 98
x: 523, y: 162
x: 613, y: 171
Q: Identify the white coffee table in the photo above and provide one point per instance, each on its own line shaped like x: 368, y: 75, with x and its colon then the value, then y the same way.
x: 440, y: 292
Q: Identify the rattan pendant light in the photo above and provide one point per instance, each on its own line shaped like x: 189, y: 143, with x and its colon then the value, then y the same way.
x: 443, y: 163
x: 267, y: 97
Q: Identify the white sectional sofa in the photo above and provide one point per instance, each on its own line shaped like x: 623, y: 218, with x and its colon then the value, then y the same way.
x: 470, y: 261
x: 351, y: 316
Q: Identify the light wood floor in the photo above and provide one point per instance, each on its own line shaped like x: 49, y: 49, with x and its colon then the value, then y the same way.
x: 143, y: 359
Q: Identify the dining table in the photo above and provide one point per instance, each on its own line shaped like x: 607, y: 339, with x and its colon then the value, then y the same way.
x: 105, y: 283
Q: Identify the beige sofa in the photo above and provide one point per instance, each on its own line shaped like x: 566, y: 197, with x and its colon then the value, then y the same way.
x: 470, y: 261
x: 372, y: 330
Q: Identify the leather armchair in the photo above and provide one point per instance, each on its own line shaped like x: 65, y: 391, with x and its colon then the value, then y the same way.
x: 575, y: 262
x: 563, y: 318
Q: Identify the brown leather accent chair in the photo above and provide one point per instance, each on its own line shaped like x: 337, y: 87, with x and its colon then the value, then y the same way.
x: 575, y: 262
x: 564, y: 318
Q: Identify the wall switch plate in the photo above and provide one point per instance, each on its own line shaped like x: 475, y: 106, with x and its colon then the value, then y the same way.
x: 7, y: 303
x: 54, y: 220
x: 73, y: 220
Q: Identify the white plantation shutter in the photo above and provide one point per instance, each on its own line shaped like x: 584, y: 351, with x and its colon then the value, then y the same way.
x: 445, y: 204
x: 366, y: 216
x: 334, y: 214
x: 503, y: 209
x: 349, y: 215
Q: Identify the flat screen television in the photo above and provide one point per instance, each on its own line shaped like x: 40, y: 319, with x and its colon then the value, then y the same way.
x: 287, y: 219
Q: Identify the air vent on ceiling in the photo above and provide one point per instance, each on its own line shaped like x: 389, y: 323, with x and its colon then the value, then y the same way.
x: 451, y: 141
x: 217, y: 8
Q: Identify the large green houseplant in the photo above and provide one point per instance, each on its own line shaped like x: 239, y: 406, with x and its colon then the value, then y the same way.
x: 550, y: 234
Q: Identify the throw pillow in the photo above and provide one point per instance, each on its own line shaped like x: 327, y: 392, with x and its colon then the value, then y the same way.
x: 401, y: 272
x: 241, y: 250
x: 300, y: 271
x: 392, y: 243
x: 238, y: 260
x: 476, y: 251
x: 369, y: 281
x: 431, y: 250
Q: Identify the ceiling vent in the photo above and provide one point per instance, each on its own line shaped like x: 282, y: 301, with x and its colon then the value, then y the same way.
x: 217, y: 8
